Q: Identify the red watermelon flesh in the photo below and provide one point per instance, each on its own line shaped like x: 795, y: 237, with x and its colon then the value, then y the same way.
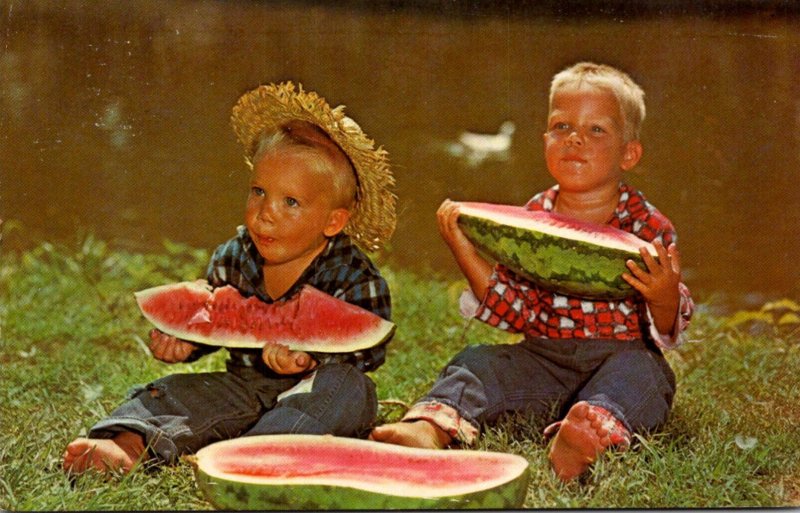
x: 302, y: 460
x: 356, y: 462
x: 310, y: 321
x: 560, y: 225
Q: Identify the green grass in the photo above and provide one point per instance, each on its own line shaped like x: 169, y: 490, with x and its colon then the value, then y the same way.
x: 72, y: 345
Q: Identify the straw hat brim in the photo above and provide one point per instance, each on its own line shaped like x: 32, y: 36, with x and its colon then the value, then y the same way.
x: 268, y: 107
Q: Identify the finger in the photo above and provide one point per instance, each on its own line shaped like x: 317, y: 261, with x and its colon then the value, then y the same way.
x: 674, y: 257
x: 173, y: 349
x: 159, y: 336
x: 443, y: 207
x: 169, y: 355
x: 448, y: 210
x: 156, y: 345
x: 183, y: 350
x: 162, y: 352
x: 649, y: 260
x: 156, y: 340
x: 312, y: 363
x: 633, y: 282
x: 304, y: 361
x: 663, y: 255
x: 279, y: 358
x: 268, y: 354
x: 637, y: 285
x: 637, y: 271
x: 452, y: 221
x: 162, y: 346
x: 455, y: 209
x: 301, y: 359
x: 442, y: 215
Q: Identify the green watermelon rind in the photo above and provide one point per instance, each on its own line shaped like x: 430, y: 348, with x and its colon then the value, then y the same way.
x: 567, y: 266
x: 225, y: 492
x: 233, y: 495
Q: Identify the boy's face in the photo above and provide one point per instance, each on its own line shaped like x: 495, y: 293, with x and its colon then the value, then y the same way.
x: 584, y: 146
x: 289, y: 210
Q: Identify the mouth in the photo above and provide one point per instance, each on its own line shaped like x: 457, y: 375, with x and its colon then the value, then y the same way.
x: 573, y: 158
x: 264, y: 239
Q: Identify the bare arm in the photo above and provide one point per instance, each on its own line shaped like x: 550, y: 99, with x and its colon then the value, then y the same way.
x: 475, y: 268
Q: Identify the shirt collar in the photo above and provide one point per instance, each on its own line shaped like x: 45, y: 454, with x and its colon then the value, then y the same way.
x: 252, y: 268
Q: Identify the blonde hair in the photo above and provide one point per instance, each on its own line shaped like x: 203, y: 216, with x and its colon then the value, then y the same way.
x: 327, y: 157
x: 601, y: 76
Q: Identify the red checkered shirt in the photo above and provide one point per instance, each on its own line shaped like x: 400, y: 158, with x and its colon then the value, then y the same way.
x: 517, y: 305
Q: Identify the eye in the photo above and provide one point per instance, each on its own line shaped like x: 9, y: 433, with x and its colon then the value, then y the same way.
x: 560, y: 127
x: 597, y: 129
x: 291, y: 202
x: 256, y: 191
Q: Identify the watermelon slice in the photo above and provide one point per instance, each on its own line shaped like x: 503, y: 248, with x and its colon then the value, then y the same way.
x: 560, y: 253
x: 310, y: 321
x: 326, y: 472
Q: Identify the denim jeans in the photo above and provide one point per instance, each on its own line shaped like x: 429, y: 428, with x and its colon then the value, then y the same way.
x: 544, y: 377
x: 181, y: 413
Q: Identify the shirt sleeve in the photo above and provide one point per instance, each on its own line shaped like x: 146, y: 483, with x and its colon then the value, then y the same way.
x: 371, y: 292
x: 678, y: 336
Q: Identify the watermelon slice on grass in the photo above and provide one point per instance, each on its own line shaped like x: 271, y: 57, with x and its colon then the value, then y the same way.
x: 557, y: 252
x: 326, y: 472
x: 310, y: 321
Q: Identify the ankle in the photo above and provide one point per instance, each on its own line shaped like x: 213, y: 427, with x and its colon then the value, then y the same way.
x: 130, y: 442
x: 441, y: 437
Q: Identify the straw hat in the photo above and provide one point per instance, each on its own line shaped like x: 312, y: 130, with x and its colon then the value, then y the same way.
x: 268, y: 107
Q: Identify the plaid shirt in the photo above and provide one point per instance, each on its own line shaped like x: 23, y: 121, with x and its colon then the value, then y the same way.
x: 515, y: 304
x: 341, y: 270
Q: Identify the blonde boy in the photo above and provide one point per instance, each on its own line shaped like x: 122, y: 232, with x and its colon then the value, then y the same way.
x: 599, y: 363
x: 318, y: 188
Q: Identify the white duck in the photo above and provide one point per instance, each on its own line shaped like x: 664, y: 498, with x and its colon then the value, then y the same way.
x: 489, y: 143
x: 476, y: 148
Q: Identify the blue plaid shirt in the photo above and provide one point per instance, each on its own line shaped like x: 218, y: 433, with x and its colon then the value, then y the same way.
x: 341, y: 270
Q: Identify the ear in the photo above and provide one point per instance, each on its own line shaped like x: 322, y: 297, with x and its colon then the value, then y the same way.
x: 631, y: 155
x: 337, y: 220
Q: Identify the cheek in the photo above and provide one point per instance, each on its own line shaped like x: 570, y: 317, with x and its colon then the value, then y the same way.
x: 552, y: 143
x: 551, y: 150
x: 250, y: 209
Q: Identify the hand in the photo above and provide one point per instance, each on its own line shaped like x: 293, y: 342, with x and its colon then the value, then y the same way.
x: 447, y: 218
x: 658, y: 284
x: 169, y: 349
x: 279, y: 358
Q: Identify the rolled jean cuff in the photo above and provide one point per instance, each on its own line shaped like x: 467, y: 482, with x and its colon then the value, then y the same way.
x: 446, y: 418
x: 613, y: 411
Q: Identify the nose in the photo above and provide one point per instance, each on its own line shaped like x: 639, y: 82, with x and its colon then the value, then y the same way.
x: 266, y: 212
x: 574, y: 139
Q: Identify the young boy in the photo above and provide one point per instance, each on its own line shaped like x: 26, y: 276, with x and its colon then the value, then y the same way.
x: 317, y: 185
x: 598, y: 361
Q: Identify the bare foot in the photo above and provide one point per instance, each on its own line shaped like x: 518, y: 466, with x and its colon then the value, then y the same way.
x: 120, y: 453
x: 418, y: 433
x: 584, y: 434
